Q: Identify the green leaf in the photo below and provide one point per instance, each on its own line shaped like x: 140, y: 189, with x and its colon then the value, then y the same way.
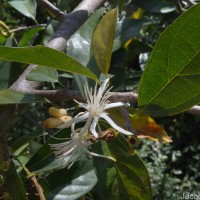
x: 41, y: 73
x: 131, y: 170
x: 79, y: 44
x: 170, y: 83
x: 14, y: 184
x: 6, y: 69
x: 26, y: 7
x: 13, y: 97
x: 4, y: 74
x: 48, y: 57
x: 73, y: 182
x: 79, y: 47
x: 156, y: 6
x: 108, y: 187
x: 29, y: 35
x: 103, y: 40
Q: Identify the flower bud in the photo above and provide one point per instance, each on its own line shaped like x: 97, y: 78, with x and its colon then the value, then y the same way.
x: 55, y: 122
x: 57, y: 112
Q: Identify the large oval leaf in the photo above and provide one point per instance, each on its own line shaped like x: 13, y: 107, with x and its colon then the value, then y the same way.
x: 170, y: 83
x: 109, y: 186
x: 72, y: 183
x: 131, y: 170
x: 103, y: 40
x: 45, y: 56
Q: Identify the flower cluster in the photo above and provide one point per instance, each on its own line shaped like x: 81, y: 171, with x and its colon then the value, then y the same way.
x: 97, y: 102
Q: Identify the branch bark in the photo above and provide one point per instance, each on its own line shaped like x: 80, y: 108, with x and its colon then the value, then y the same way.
x: 131, y: 97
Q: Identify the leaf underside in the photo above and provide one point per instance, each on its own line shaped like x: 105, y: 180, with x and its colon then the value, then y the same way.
x: 170, y: 83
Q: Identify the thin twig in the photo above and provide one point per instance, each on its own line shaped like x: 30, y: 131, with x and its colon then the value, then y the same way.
x: 53, y: 11
x: 38, y: 187
x: 32, y: 177
x: 27, y: 27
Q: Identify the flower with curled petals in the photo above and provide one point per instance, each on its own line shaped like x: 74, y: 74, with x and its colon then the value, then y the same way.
x: 97, y: 102
x: 95, y: 109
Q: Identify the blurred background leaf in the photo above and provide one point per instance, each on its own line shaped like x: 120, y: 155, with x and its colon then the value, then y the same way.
x: 25, y: 7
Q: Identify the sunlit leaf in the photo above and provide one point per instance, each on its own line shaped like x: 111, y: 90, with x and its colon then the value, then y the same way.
x: 44, y: 56
x: 170, y: 83
x: 138, y: 13
x: 146, y: 127
x: 103, y: 40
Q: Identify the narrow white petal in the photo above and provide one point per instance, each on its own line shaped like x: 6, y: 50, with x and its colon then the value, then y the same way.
x: 84, y: 105
x: 87, y: 94
x: 113, y: 105
x: 93, y: 127
x: 81, y: 105
x: 74, y: 120
x: 69, y: 151
x: 86, y: 126
x: 102, y: 88
x: 73, y: 125
x: 115, y: 126
x: 99, y: 155
x: 63, y: 148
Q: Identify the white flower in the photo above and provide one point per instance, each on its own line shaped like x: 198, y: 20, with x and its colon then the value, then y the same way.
x: 97, y: 104
x: 95, y: 108
x: 68, y: 152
